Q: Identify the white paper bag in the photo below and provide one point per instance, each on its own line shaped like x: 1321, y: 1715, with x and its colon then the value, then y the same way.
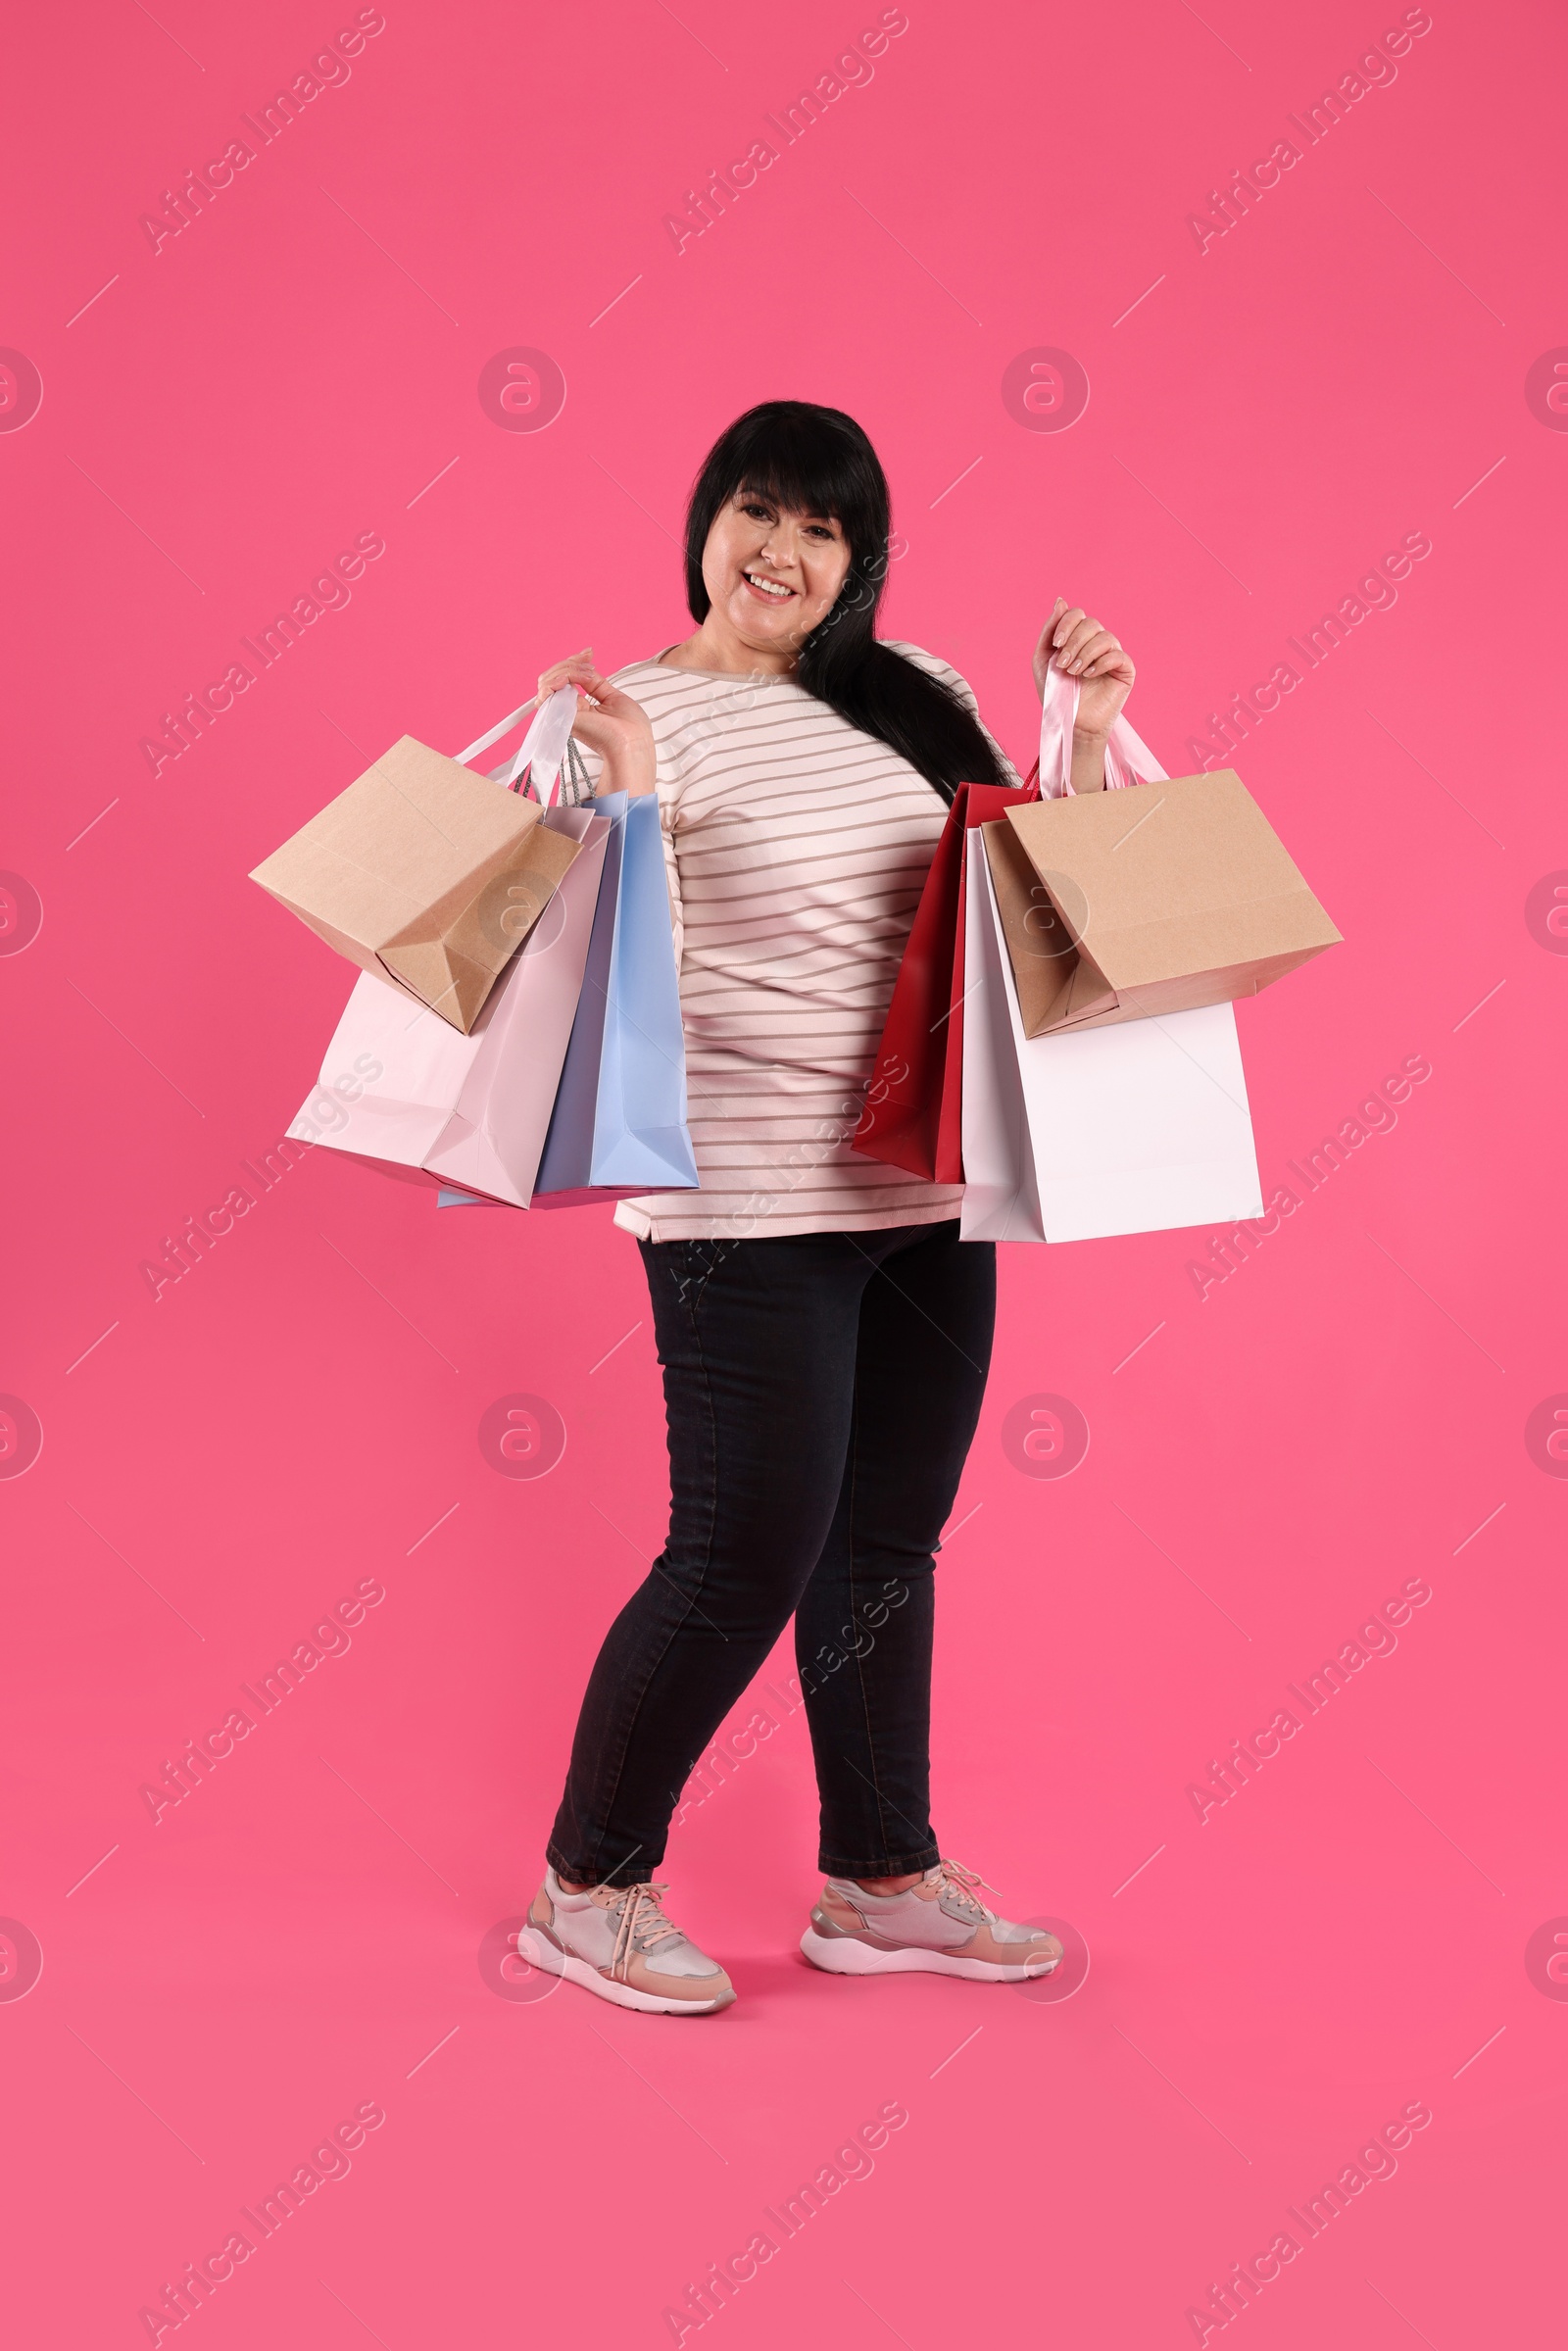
x: 1130, y: 1129
x: 1001, y: 1202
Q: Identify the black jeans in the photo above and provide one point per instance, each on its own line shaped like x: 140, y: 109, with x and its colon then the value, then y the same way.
x: 821, y: 1392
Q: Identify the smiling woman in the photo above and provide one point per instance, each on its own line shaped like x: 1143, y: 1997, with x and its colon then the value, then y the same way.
x: 823, y: 1329
x: 787, y: 538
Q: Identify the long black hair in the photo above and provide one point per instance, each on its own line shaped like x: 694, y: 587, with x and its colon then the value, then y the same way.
x: 818, y: 461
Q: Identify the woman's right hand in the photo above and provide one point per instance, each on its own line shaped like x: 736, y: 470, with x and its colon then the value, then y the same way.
x: 608, y: 721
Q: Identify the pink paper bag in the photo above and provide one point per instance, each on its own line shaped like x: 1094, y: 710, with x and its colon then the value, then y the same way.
x: 399, y: 1083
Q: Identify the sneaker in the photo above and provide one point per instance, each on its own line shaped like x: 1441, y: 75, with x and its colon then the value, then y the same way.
x: 939, y: 1927
x: 617, y: 1941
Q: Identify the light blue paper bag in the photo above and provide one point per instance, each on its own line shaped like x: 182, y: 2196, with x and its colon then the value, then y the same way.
x: 618, y: 1127
x: 619, y: 1121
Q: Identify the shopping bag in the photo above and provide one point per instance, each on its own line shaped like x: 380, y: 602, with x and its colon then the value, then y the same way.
x: 1170, y: 893
x: 547, y: 765
x: 911, y: 1114
x: 473, y: 1108
x: 1134, y: 1128
x: 1001, y: 1196
x: 619, y: 1122
x: 1074, y: 1135
x: 422, y: 873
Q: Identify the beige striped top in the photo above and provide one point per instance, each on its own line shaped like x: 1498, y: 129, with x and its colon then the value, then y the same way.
x: 797, y: 848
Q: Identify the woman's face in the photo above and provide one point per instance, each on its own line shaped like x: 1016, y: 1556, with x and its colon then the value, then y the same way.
x: 771, y: 573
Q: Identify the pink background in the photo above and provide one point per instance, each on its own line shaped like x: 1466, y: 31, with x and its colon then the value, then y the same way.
x: 300, y: 1414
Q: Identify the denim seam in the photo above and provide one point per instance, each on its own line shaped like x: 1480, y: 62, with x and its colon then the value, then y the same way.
x: 859, y: 1669
x: 885, y: 1864
x: 690, y: 1598
x: 707, y: 1275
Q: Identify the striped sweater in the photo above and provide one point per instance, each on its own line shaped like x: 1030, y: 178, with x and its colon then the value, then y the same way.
x: 797, y: 848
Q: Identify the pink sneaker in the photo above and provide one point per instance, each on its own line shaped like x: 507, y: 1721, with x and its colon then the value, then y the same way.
x: 617, y: 1941
x: 939, y: 1927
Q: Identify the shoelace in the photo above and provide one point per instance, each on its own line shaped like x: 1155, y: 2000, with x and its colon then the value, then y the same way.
x: 642, y: 1923
x: 954, y: 1879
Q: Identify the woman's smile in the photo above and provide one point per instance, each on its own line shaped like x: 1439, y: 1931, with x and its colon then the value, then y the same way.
x: 767, y: 588
x: 761, y: 556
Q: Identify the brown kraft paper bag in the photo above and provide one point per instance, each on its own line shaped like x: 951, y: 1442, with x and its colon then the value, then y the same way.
x: 1121, y: 905
x: 424, y: 873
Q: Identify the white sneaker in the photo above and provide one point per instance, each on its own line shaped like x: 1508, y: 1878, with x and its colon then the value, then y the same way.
x: 617, y: 1941
x: 939, y: 1927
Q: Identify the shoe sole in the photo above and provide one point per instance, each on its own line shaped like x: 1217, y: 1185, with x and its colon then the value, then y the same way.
x: 845, y: 1955
x: 545, y: 1955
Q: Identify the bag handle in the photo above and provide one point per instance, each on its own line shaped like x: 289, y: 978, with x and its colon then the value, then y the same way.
x: 1128, y: 757
x: 495, y: 734
x: 547, y: 743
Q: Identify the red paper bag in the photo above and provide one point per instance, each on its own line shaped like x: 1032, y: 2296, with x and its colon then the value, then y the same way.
x: 911, y: 1114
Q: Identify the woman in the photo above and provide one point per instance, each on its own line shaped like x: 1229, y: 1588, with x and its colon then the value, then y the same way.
x: 824, y: 1333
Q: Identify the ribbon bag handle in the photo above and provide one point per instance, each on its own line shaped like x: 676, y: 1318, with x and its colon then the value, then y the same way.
x: 1128, y: 757
x: 544, y: 748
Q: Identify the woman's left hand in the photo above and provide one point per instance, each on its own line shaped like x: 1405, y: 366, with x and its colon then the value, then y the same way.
x: 1082, y: 649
